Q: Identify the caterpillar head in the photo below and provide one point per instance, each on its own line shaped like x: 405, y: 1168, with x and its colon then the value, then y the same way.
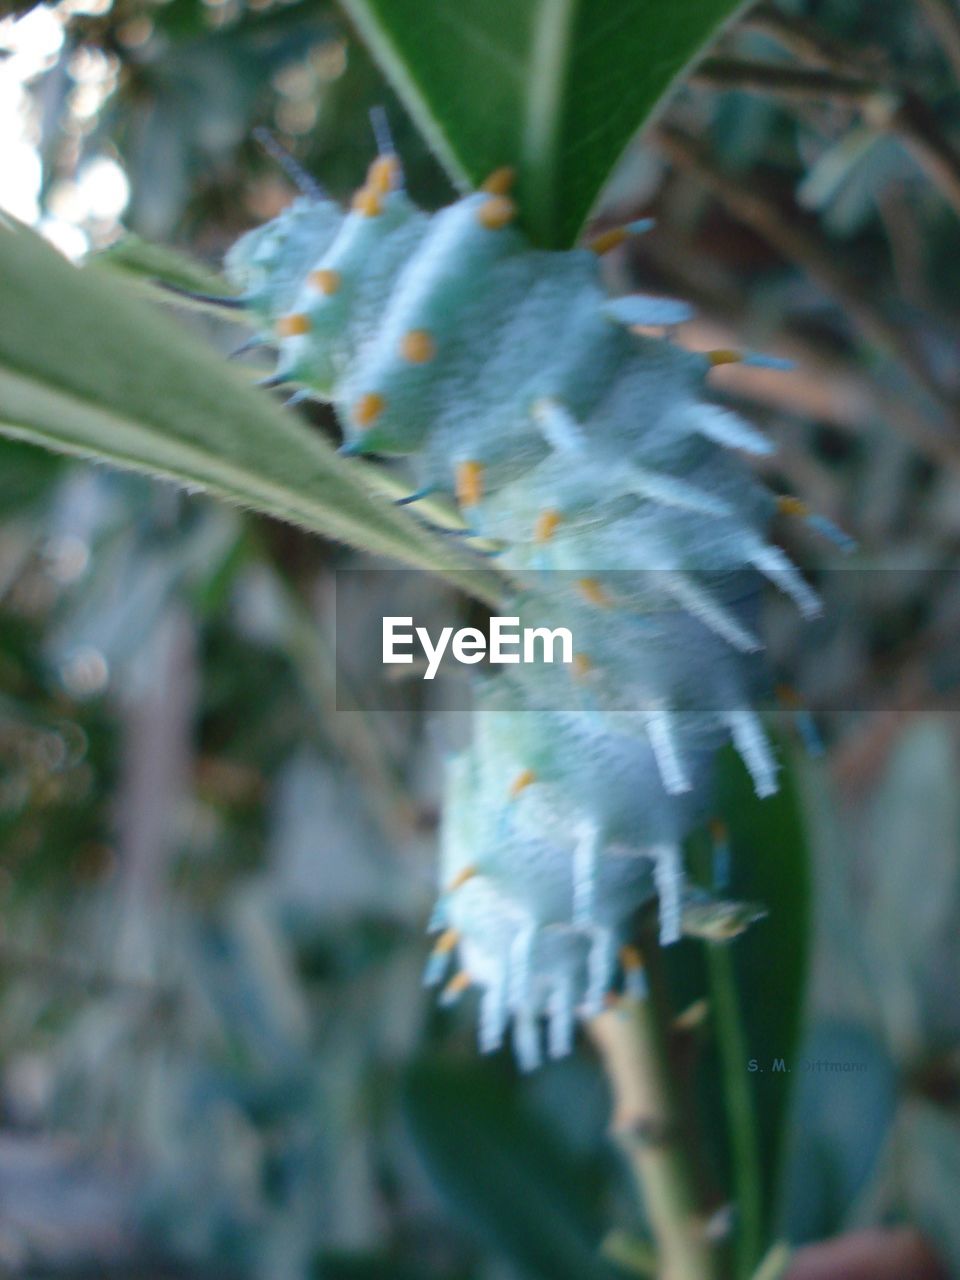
x: 267, y: 265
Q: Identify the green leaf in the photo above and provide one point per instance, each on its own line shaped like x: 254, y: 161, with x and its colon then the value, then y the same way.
x: 25, y: 476
x: 140, y: 260
x: 757, y: 986
x: 87, y: 368
x: 556, y: 88
x: 840, y: 1129
x: 503, y: 1170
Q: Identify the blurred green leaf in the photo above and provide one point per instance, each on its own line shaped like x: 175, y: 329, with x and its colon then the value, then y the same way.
x: 846, y: 1097
x: 928, y: 1151
x: 503, y: 1170
x: 913, y: 824
x: 185, y: 110
x: 834, y: 167
x: 139, y: 260
x: 556, y: 88
x: 757, y: 986
x: 25, y: 475
x: 88, y: 369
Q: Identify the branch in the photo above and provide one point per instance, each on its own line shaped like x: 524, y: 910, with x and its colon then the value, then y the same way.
x: 808, y: 43
x: 786, y: 81
x: 945, y: 21
x: 649, y: 1128
x: 886, y: 107
x: 790, y: 233
x: 915, y: 124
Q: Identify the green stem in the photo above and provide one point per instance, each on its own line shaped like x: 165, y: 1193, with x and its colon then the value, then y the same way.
x: 648, y: 1126
x: 744, y: 1136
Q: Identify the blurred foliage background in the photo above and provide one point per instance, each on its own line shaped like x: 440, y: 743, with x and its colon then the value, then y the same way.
x: 215, y: 1054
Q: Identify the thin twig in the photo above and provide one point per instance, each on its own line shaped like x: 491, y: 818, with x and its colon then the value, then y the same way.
x: 899, y: 110
x: 785, y: 81
x: 790, y: 232
x: 906, y: 241
x: 808, y: 43
x: 915, y: 124
x: 648, y: 1126
x: 885, y: 107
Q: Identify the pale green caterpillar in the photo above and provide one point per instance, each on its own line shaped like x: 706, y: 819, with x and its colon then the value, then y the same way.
x: 589, y: 453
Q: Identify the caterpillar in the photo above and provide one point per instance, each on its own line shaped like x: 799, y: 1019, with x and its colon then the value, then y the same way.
x: 587, y: 450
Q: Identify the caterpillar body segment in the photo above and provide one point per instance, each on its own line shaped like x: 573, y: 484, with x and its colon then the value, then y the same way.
x: 342, y: 294
x: 589, y: 454
x: 269, y: 264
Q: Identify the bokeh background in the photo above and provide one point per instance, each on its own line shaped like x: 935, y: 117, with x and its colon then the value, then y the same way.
x: 216, y: 1056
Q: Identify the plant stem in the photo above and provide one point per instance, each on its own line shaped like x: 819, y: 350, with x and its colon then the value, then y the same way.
x: 648, y: 1126
x: 741, y: 1114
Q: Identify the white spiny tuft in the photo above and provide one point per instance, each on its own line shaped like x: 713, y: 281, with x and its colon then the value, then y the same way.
x: 700, y: 605
x: 643, y: 310
x: 725, y: 427
x: 751, y: 742
x: 668, y: 876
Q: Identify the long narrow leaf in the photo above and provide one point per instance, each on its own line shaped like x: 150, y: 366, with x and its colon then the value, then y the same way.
x: 87, y: 368
x: 556, y: 88
x: 758, y: 987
